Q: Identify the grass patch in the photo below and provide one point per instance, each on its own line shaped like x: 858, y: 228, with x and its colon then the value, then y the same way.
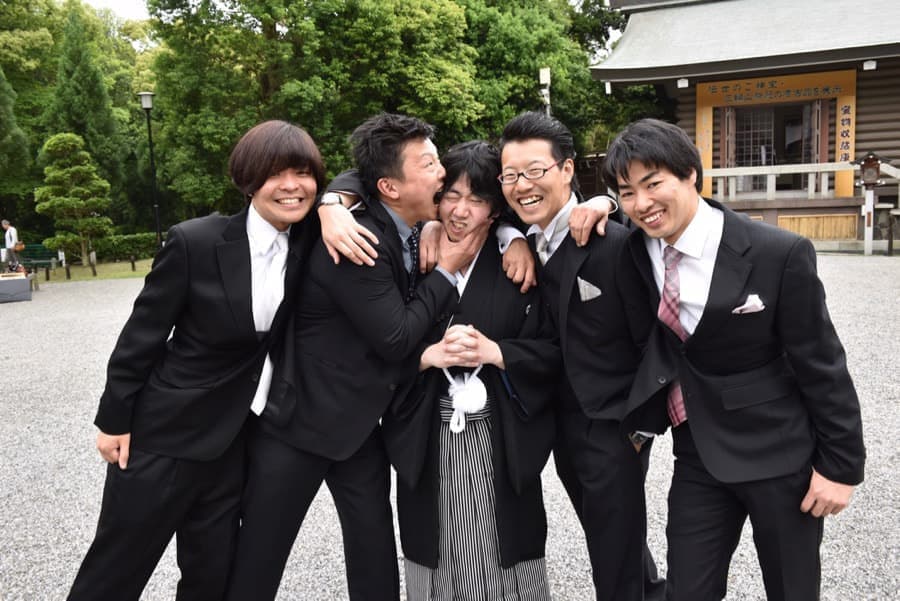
x: 105, y: 271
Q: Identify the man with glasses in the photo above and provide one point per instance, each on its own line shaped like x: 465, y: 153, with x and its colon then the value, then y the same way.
x: 602, y: 471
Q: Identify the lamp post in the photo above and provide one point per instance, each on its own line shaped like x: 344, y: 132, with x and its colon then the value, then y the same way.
x: 544, y: 80
x: 870, y: 171
x: 147, y: 105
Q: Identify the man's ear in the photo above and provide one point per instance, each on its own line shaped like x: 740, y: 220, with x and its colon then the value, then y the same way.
x: 692, y: 178
x: 386, y: 187
x: 568, y: 169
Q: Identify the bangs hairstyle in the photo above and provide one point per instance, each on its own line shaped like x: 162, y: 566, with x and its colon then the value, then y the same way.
x: 479, y: 161
x: 378, y: 145
x: 654, y: 144
x: 270, y: 148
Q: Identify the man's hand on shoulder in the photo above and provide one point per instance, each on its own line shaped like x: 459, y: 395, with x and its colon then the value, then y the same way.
x: 589, y: 215
x: 518, y: 264
x: 343, y: 235
x: 825, y: 497
x: 114, y: 448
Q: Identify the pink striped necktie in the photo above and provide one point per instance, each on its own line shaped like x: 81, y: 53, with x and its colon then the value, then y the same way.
x: 668, y: 314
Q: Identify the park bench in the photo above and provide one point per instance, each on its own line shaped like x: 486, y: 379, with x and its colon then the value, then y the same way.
x: 36, y: 256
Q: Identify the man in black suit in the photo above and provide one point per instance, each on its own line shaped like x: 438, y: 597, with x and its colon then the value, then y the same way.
x: 192, y: 357
x: 598, y: 465
x: 354, y: 348
x: 766, y: 421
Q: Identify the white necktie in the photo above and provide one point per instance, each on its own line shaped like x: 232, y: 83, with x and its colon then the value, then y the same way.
x: 264, y: 312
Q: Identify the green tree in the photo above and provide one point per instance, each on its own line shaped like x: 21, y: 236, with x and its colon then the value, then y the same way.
x: 324, y: 64
x: 74, y: 196
x: 27, y: 59
x: 592, y: 23
x: 81, y: 104
x: 13, y: 145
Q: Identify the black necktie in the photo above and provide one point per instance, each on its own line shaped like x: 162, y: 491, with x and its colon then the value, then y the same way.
x: 412, y: 242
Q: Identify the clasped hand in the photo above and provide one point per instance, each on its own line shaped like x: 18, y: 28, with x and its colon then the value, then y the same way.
x: 462, y: 346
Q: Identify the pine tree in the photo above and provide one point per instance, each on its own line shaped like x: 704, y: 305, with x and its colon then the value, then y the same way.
x: 81, y: 104
x: 74, y: 196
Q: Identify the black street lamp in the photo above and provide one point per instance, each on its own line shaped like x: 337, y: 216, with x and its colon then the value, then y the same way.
x: 147, y: 105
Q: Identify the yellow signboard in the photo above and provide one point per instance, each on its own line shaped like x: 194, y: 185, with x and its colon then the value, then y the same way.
x: 806, y: 87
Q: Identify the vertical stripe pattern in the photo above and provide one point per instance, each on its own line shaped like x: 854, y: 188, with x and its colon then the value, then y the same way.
x: 469, y: 550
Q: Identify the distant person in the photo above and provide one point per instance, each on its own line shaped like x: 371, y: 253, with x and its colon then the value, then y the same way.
x: 471, y: 437
x: 11, y: 239
x: 765, y: 418
x: 191, y: 366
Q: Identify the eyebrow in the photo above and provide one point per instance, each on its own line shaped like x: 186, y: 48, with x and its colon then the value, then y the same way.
x: 650, y: 175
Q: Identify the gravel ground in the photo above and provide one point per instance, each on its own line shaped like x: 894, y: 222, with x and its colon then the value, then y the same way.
x: 54, y: 353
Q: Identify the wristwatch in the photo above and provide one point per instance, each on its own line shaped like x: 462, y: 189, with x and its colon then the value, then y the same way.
x: 639, y: 438
x: 330, y: 198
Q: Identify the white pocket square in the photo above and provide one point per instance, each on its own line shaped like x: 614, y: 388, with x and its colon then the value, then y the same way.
x: 753, y: 304
x: 587, y: 291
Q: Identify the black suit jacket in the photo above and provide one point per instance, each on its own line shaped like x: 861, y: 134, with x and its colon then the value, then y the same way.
x: 187, y: 395
x: 355, y: 344
x: 601, y: 342
x: 522, y: 424
x: 765, y: 392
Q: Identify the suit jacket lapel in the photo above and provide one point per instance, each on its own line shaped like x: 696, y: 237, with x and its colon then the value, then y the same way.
x: 730, y: 273
x: 476, y: 303
x: 390, y: 241
x: 637, y: 247
x: 233, y: 254
x: 575, y: 258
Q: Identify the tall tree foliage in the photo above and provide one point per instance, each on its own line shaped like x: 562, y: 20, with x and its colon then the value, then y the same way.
x: 74, y: 196
x: 325, y: 64
x: 82, y: 104
x: 13, y: 145
x: 27, y: 60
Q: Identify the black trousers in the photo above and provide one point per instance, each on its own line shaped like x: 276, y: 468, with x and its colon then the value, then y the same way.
x: 143, y: 506
x: 281, y: 484
x: 604, y: 478
x: 705, y: 522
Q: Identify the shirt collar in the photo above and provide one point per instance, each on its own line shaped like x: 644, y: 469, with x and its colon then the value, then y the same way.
x: 693, y: 238
x: 260, y: 232
x: 402, y: 227
x: 559, y: 223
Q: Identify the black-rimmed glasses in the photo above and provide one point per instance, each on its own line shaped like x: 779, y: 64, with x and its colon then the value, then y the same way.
x: 531, y: 174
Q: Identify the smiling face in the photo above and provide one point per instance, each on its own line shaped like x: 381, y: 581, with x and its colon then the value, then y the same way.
x: 285, y: 197
x: 461, y: 211
x: 536, y: 201
x: 412, y: 196
x: 657, y: 201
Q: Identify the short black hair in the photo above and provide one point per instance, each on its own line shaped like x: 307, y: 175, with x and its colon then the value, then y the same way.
x: 539, y: 126
x: 653, y: 143
x: 378, y: 145
x: 479, y: 161
x: 269, y: 148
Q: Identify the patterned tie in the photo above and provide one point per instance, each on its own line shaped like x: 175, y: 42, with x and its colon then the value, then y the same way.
x: 412, y: 242
x: 668, y: 314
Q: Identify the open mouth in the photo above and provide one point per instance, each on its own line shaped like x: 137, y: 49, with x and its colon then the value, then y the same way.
x: 653, y: 218
x: 289, y: 201
x: 529, y: 201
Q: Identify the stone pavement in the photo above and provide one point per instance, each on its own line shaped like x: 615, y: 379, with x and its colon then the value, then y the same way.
x: 53, y: 359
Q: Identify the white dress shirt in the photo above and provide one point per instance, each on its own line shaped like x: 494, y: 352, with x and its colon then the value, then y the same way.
x: 268, y: 252
x: 699, y: 243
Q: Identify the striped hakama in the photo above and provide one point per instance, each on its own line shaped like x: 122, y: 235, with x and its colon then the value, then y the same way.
x: 469, y: 550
